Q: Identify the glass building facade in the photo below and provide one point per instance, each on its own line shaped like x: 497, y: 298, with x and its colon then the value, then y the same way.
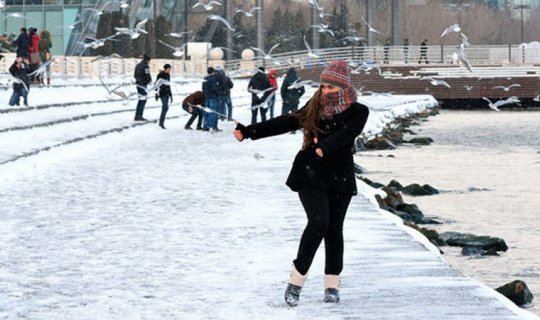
x: 69, y: 21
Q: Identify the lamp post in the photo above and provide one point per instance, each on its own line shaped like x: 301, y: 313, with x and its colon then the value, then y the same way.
x: 522, y: 7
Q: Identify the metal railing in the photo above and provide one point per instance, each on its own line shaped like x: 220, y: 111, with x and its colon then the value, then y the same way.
x: 442, y: 56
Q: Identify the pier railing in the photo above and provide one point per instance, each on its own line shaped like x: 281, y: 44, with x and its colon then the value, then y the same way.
x: 496, y: 55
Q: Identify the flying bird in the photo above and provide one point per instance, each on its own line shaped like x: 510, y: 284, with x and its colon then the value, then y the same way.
x: 42, y: 68
x: 16, y: 15
x: 222, y: 20
x: 178, y: 51
x: 495, y: 106
x: 248, y: 13
x: 436, y: 82
x: 207, y: 6
x: 266, y: 55
x: 537, y: 98
x: 452, y: 28
x: 462, y: 59
x: 323, y: 28
x: 310, y: 51
x: 507, y: 88
x: 107, y: 59
x: 178, y: 34
x: 371, y: 29
x: 135, y: 32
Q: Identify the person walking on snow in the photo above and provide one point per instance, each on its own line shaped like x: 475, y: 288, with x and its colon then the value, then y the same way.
x: 142, y: 79
x: 164, y: 93
x: 322, y: 172
x: 259, y: 82
x: 211, y: 90
x: 290, y: 96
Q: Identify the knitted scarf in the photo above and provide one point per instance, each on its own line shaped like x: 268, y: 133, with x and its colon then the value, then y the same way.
x: 337, y: 102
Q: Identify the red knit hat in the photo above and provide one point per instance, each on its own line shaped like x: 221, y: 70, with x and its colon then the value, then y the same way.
x: 337, y: 73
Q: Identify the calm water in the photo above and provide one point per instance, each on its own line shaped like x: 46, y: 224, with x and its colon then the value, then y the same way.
x: 488, y: 165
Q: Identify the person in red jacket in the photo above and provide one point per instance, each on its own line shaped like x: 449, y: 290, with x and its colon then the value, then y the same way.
x: 272, y: 77
x: 33, y: 53
x: 322, y: 172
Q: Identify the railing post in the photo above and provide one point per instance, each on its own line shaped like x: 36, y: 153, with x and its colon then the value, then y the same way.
x: 523, y: 54
x: 509, y: 53
x: 353, y: 53
x: 442, y: 53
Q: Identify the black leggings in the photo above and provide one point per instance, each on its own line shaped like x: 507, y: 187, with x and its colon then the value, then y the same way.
x: 325, y: 212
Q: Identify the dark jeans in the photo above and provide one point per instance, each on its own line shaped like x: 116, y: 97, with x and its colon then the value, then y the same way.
x: 17, y: 94
x: 325, y: 212
x: 254, y: 112
x: 271, y: 104
x: 164, y: 109
x: 142, y: 101
x: 228, y: 104
x: 196, y: 113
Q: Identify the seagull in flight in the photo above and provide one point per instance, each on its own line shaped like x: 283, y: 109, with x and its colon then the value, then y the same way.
x: 495, y: 106
x: 178, y: 51
x: 353, y: 38
x: 310, y: 51
x: 42, y: 68
x: 319, y: 8
x: 222, y: 20
x: 323, y: 28
x: 16, y: 15
x: 117, y: 92
x: 436, y: 82
x: 248, y: 13
x: 452, y: 28
x: 266, y: 55
x: 371, y: 29
x: 69, y: 26
x: 537, y: 98
x: 468, y: 88
x: 257, y: 91
x: 299, y: 83
x: 207, y: 6
x: 462, y: 59
x: 107, y: 59
x: 367, y: 67
x: 507, y: 88
x: 135, y: 32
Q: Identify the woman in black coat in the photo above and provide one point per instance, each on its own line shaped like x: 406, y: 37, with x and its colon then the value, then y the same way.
x: 322, y: 172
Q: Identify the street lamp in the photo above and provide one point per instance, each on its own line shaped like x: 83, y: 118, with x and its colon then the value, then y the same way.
x: 522, y: 7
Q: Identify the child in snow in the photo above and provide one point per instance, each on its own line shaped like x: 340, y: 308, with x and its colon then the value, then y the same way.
x: 322, y: 172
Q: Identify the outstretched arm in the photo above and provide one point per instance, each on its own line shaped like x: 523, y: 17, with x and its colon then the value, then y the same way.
x: 273, y: 127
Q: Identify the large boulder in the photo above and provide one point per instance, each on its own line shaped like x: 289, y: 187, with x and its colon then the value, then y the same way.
x: 420, y: 140
x: 395, y: 184
x: 410, y: 212
x: 475, y: 251
x: 380, y: 143
x: 417, y: 190
x: 470, y: 240
x: 430, y: 234
x: 517, y: 291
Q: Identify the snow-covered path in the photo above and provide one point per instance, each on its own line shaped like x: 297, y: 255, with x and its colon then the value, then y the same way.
x: 176, y: 224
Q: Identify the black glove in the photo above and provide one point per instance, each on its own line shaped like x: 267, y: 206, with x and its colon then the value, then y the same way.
x: 171, y: 98
x: 157, y: 97
x: 242, y: 129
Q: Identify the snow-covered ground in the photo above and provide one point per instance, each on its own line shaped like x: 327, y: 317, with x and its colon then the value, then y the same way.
x: 173, y: 224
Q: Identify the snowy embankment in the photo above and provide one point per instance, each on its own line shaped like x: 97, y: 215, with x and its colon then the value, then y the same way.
x: 177, y: 224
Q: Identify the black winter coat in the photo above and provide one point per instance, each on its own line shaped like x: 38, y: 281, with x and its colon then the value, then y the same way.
x: 291, y: 97
x: 211, y: 87
x: 142, y: 74
x: 259, y: 81
x: 164, y: 89
x: 335, y: 170
x: 21, y: 74
x: 22, y: 42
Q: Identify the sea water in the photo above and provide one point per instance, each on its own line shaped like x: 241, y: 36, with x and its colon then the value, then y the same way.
x: 487, y: 166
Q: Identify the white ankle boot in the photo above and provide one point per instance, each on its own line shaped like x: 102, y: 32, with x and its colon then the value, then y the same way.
x: 294, y: 287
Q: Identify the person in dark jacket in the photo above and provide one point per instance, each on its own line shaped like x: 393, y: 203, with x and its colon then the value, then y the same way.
x: 20, y: 70
x: 164, y: 93
x: 423, y: 52
x: 258, y: 83
x: 193, y: 105
x: 22, y: 43
x: 322, y: 172
x: 142, y: 79
x: 290, y: 95
x: 211, y: 89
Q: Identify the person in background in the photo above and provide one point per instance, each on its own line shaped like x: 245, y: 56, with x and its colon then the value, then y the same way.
x: 258, y: 83
x: 5, y: 43
x: 290, y: 95
x: 142, y: 79
x: 386, y: 49
x: 33, y: 53
x: 211, y: 90
x: 423, y: 52
x: 20, y: 70
x: 193, y: 105
x: 164, y: 93
x: 322, y: 172
x: 272, y: 78
x: 221, y: 77
x: 406, y: 50
x: 228, y: 102
x: 44, y: 47
x: 22, y: 43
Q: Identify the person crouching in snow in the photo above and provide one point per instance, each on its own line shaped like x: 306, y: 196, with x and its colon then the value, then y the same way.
x: 193, y: 104
x: 20, y: 70
x: 322, y: 172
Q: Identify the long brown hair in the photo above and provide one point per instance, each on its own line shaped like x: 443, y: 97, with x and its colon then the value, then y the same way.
x: 309, y: 118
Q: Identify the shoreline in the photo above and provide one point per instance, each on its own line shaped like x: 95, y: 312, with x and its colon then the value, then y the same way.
x: 377, y: 160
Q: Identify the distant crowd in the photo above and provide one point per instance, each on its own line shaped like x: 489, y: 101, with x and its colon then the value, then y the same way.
x: 213, y: 102
x: 32, y: 65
